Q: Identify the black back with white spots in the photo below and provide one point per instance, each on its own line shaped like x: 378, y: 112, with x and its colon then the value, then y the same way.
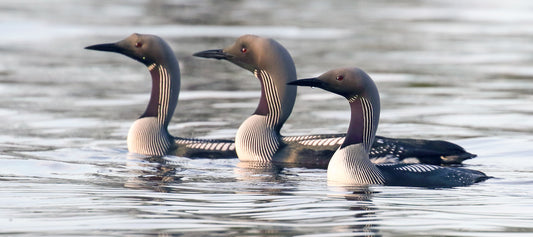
x: 422, y: 175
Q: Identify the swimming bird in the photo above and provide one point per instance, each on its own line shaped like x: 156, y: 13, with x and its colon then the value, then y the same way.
x: 149, y: 133
x: 350, y: 164
x: 259, y: 139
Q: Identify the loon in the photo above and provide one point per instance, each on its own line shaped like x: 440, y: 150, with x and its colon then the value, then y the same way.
x: 259, y: 139
x: 149, y: 134
x: 350, y: 164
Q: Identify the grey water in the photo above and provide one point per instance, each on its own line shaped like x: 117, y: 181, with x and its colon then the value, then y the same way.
x: 455, y: 70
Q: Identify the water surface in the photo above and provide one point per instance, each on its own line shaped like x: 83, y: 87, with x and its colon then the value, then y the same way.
x: 458, y: 71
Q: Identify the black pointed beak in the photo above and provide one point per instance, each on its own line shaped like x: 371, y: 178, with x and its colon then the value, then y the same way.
x: 105, y: 47
x: 311, y: 82
x: 212, y: 53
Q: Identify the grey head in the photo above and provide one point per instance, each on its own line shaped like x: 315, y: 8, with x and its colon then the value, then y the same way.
x: 350, y: 83
x: 253, y: 52
x: 156, y: 54
x: 271, y: 63
x: 147, y: 49
x: 359, y: 89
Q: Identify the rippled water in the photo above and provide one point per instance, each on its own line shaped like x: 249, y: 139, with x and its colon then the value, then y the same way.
x: 460, y: 71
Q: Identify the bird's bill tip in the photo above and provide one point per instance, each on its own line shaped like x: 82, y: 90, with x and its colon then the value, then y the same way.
x: 104, y: 47
x: 312, y: 82
x: 212, y: 53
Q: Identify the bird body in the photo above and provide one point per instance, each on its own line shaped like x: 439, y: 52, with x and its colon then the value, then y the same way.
x: 149, y: 133
x: 350, y: 164
x: 259, y: 138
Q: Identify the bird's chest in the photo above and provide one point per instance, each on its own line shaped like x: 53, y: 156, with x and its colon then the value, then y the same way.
x: 256, y: 141
x: 350, y: 166
x: 148, y: 137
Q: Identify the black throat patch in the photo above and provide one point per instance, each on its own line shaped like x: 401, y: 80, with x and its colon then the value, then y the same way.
x: 153, y: 104
x: 262, y: 107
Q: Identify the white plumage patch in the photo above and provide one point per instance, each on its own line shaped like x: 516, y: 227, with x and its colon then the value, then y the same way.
x: 300, y: 138
x: 256, y: 140
x: 350, y: 166
x: 417, y: 168
x: 205, y: 144
x: 147, y: 137
x: 212, y: 146
x: 322, y: 142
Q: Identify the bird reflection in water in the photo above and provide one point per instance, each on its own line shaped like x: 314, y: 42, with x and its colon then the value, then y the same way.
x: 265, y: 178
x: 155, y: 173
x: 365, y: 212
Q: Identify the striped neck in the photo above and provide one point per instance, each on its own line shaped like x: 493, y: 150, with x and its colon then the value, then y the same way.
x: 165, y: 93
x: 363, y: 123
x: 258, y: 138
x: 275, y: 103
x: 149, y: 135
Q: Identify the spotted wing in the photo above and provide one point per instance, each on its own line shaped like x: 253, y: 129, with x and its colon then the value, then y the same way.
x: 424, y: 175
x: 434, y: 152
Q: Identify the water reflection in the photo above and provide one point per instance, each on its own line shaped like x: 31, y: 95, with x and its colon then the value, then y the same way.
x: 446, y: 70
x: 259, y: 171
x: 264, y: 178
x: 268, y: 193
x: 153, y: 173
x: 365, y: 212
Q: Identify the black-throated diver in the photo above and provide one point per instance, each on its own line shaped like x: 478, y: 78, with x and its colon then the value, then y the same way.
x: 259, y: 139
x: 149, y: 134
x: 350, y: 165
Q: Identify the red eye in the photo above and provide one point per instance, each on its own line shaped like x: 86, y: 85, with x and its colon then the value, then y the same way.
x: 243, y: 50
x: 138, y: 44
x: 340, y: 77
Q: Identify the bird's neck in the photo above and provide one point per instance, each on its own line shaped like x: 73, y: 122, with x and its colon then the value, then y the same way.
x: 258, y: 137
x: 350, y: 165
x: 277, y: 100
x: 165, y: 92
x: 363, y: 123
x: 149, y: 134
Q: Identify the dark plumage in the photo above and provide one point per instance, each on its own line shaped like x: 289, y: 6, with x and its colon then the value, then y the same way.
x: 350, y: 164
x: 272, y: 64
x: 149, y: 133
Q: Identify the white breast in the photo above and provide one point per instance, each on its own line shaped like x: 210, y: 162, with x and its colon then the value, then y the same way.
x: 350, y: 166
x: 255, y: 140
x: 148, y: 137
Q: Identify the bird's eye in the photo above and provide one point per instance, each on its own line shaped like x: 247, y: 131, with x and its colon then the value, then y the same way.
x: 243, y: 50
x: 340, y: 77
x: 138, y: 44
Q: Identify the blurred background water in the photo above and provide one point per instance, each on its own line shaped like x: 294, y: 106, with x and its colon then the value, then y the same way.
x: 455, y: 70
